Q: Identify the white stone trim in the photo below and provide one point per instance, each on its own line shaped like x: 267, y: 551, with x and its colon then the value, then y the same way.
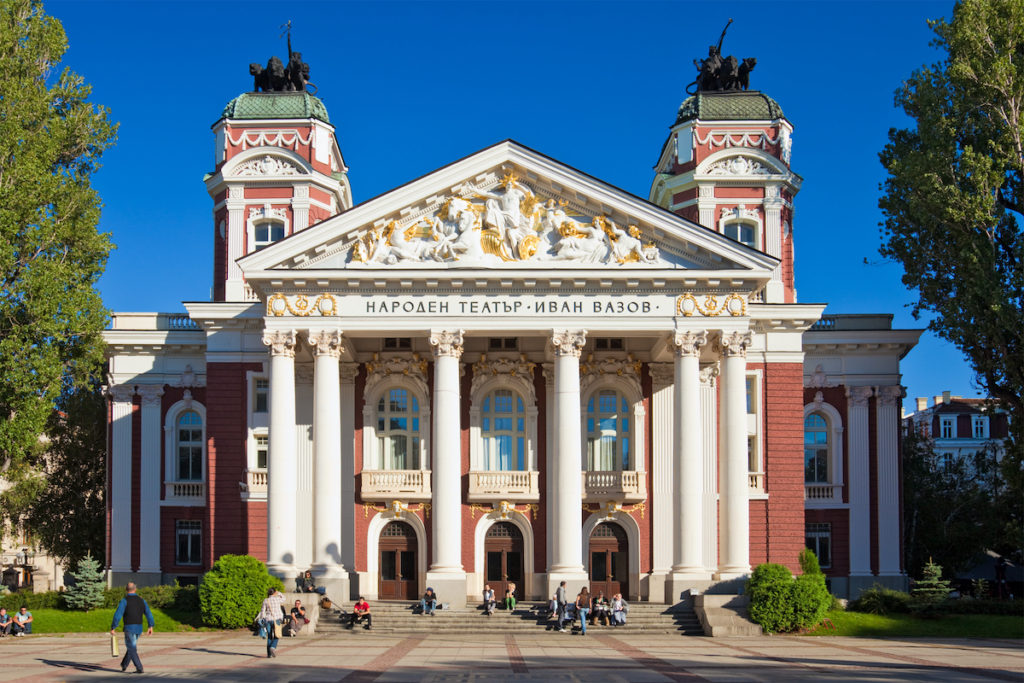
x: 835, y: 454
x: 371, y: 456
x: 376, y: 526
x: 480, y: 538
x: 632, y: 529
x: 170, y: 453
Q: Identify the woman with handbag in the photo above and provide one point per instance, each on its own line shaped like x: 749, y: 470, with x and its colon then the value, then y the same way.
x: 270, y: 616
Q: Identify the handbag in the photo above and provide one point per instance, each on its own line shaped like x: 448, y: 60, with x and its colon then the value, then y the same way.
x: 277, y: 630
x: 113, y: 645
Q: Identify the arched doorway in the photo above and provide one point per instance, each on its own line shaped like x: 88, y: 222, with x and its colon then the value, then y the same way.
x: 398, y: 573
x: 609, y: 560
x: 503, y: 559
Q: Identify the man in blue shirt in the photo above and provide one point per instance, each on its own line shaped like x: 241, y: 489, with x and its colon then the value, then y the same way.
x: 132, y: 608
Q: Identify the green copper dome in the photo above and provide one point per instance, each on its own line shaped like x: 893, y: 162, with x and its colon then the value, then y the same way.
x: 276, y: 105
x: 742, y: 105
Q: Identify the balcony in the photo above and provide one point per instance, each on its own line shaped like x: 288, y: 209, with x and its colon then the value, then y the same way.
x: 756, y: 480
x: 822, y: 495
x: 255, y: 485
x: 494, y: 487
x: 388, y: 485
x: 185, y: 493
x: 623, y: 487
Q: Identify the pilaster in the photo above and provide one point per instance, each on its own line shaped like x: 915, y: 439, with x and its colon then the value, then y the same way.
x: 121, y: 480
x: 887, y: 435
x: 860, y: 481
x: 150, y: 481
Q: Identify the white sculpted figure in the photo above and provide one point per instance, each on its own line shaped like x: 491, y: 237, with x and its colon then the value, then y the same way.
x: 467, y: 244
x: 504, y: 213
x: 627, y: 247
x: 583, y: 243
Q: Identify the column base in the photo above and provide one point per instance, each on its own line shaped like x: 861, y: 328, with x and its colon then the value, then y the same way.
x: 678, y: 584
x: 286, y: 572
x: 450, y: 587
x: 575, y: 579
x: 117, y: 578
x: 656, y: 588
x: 729, y: 573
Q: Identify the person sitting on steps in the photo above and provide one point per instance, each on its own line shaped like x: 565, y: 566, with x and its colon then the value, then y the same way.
x: 429, y: 602
x: 489, y: 601
x: 306, y: 584
x: 600, y: 610
x: 361, y: 612
x: 510, y: 597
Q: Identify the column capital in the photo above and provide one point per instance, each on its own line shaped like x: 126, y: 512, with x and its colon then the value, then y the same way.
x: 151, y: 394
x: 121, y: 393
x: 859, y: 396
x: 887, y: 396
x: 736, y: 343
x: 348, y: 372
x: 688, y: 343
x: 446, y: 343
x: 568, y: 342
x: 281, y: 342
x: 325, y: 342
x: 708, y: 374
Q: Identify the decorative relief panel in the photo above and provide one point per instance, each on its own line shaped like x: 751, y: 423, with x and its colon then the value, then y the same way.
x: 485, y: 369
x: 592, y: 370
x: 688, y: 305
x: 299, y: 304
x: 508, y: 222
x: 412, y: 366
x: 738, y: 166
x: 266, y: 165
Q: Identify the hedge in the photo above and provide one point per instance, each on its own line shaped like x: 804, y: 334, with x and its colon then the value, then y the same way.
x: 181, y: 598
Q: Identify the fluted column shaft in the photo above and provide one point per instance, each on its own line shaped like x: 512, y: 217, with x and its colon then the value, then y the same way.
x: 447, y: 460
x: 860, y: 480
x: 121, y: 478
x: 150, y: 480
x: 689, y: 457
x: 282, y: 476
x: 888, y: 479
x: 567, y: 550
x: 326, y: 345
x: 734, y: 553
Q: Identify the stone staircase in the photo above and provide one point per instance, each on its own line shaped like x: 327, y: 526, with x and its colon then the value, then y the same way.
x: 391, y: 617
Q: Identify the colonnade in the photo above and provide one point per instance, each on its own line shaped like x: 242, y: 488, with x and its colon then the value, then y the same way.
x: 446, y: 571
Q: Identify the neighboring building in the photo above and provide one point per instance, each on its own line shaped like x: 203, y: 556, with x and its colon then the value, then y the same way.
x: 23, y: 566
x: 959, y: 427
x: 505, y: 370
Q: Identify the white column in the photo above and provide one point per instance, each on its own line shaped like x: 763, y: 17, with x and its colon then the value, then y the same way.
x: 887, y: 433
x: 662, y: 476
x: 774, y: 291
x: 349, y: 371
x: 860, y: 481
x: 234, y: 288
x: 300, y: 208
x: 689, y: 457
x: 282, y: 465
x: 446, y: 574
x: 706, y: 206
x: 326, y: 345
x: 150, y: 480
x: 121, y: 479
x: 567, y: 546
x: 734, y: 506
x: 709, y: 438
x: 551, y: 420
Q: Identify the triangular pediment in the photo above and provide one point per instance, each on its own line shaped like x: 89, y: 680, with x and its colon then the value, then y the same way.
x: 506, y: 207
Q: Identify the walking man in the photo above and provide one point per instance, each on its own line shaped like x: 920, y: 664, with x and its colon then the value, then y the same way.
x: 132, y: 608
x: 560, y: 600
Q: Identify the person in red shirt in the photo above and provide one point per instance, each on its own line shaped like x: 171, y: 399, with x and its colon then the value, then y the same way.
x: 361, y: 612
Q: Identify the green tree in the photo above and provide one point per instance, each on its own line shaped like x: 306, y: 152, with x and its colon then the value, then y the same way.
x: 233, y: 591
x: 87, y: 593
x: 51, y: 253
x: 954, y: 195
x: 931, y: 588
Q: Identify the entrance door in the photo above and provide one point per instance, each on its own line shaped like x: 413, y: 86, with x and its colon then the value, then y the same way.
x: 609, y: 560
x: 503, y: 558
x: 398, y: 571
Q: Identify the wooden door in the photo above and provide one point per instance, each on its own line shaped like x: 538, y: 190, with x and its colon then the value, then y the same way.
x: 609, y: 560
x: 398, y: 570
x: 503, y: 560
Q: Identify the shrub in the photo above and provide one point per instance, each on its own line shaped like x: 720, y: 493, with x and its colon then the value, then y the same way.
x: 233, y: 589
x: 930, y: 589
x: 14, y: 601
x: 809, y: 562
x: 811, y: 600
x: 770, y: 589
x: 881, y: 600
x: 88, y: 591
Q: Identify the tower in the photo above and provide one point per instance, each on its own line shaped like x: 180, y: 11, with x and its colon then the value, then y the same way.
x: 725, y: 165
x: 278, y: 170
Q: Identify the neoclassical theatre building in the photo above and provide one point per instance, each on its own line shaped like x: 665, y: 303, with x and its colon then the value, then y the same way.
x: 505, y: 371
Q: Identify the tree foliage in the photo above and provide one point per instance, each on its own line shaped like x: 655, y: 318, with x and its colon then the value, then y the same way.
x: 233, y: 590
x: 88, y: 590
x: 954, y: 198
x: 51, y: 253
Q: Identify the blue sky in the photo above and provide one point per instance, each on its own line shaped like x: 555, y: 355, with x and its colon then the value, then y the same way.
x: 412, y: 86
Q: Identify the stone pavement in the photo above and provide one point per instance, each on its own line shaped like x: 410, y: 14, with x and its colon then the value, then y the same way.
x: 632, y: 658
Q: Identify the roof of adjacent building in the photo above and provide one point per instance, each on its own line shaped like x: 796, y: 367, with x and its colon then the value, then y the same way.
x: 276, y: 105
x: 743, y: 105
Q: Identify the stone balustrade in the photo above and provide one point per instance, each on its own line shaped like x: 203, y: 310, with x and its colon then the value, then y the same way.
x: 495, y: 486
x: 627, y: 487
x: 387, y: 485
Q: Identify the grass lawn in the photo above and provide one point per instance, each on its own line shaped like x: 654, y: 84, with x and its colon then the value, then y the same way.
x: 98, y: 620
x: 905, y: 625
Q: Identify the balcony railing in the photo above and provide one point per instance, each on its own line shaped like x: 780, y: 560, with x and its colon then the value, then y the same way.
x: 405, y: 485
x: 493, y: 487
x: 823, y: 492
x: 626, y: 487
x: 255, y: 485
x: 185, y: 492
x: 756, y: 481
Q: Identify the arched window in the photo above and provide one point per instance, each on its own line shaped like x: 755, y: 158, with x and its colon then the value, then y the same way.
x: 266, y: 233
x: 608, y: 431
x: 398, y: 430
x: 816, y: 449
x: 503, y: 430
x: 742, y: 232
x: 189, y: 447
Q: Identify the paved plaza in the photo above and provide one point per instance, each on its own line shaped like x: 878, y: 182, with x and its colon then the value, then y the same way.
x: 366, y: 657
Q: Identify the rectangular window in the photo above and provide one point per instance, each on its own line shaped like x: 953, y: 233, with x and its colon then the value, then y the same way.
x: 503, y: 344
x: 980, y: 428
x: 751, y: 394
x: 189, y: 545
x: 262, y: 448
x: 261, y: 395
x: 818, y: 537
x: 948, y: 428
x: 612, y: 344
x: 397, y: 343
